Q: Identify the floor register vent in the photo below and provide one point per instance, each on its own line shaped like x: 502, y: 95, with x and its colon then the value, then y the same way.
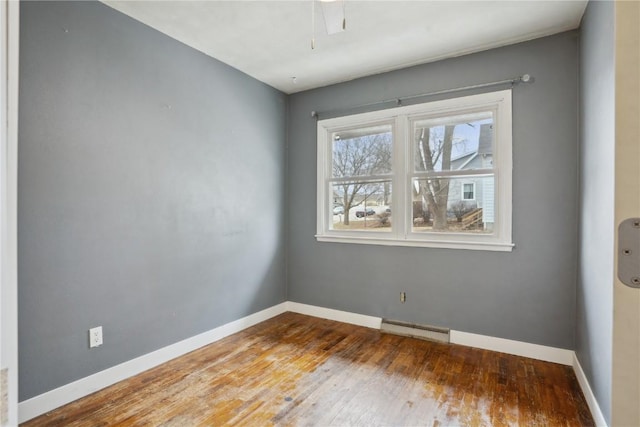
x: 425, y: 332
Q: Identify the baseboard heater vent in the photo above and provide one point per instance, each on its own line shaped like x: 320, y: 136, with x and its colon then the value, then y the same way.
x: 431, y: 333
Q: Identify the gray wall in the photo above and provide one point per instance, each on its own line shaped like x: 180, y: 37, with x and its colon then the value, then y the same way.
x: 152, y: 199
x: 151, y: 192
x: 526, y: 295
x: 597, y: 158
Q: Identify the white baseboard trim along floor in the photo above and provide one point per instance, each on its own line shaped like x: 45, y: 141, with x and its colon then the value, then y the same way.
x: 50, y: 400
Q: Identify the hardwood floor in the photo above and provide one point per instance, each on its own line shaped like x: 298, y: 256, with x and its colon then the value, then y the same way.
x: 300, y: 370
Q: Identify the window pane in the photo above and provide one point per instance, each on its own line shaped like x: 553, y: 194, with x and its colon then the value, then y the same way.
x: 362, y: 152
x: 439, y: 205
x: 468, y: 192
x: 453, y: 143
x: 363, y: 206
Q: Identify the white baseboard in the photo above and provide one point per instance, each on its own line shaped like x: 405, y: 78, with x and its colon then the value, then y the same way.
x: 337, y: 315
x: 50, y: 400
x: 518, y: 348
x: 596, y: 413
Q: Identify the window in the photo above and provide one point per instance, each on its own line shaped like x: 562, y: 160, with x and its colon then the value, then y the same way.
x: 435, y: 174
x: 468, y: 191
x: 360, y: 180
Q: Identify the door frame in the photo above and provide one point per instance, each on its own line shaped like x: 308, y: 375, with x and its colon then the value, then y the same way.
x: 9, y: 61
x: 626, y: 300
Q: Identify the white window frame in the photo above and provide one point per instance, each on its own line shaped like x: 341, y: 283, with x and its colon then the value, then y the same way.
x: 462, y: 184
x: 499, y: 103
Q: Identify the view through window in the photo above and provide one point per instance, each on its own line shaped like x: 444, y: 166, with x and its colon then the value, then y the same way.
x: 435, y: 174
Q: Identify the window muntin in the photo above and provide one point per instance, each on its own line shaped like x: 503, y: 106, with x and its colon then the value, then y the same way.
x: 468, y: 172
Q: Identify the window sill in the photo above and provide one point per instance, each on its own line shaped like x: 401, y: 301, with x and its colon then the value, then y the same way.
x: 443, y: 244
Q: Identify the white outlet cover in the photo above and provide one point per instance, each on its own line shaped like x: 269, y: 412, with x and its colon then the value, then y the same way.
x: 95, y: 337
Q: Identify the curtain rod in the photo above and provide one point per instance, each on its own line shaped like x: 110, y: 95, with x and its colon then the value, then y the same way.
x: 525, y: 78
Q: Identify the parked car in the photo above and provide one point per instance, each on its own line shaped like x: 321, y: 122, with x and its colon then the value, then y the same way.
x: 368, y: 211
x: 337, y: 210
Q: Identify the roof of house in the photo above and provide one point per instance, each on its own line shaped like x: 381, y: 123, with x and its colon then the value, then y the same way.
x: 485, y: 146
x: 485, y: 140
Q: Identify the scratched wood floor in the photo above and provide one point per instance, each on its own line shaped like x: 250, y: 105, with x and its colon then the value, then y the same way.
x: 300, y: 370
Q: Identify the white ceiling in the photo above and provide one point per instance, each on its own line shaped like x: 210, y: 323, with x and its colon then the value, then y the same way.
x: 271, y: 40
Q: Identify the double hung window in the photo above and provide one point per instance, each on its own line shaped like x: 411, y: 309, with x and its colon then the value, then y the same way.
x: 468, y: 191
x: 436, y: 174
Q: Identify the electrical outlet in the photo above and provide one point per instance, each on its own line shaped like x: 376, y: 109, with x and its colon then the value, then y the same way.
x: 95, y: 337
x: 403, y: 297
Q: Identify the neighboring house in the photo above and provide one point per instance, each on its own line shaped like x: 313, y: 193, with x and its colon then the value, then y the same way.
x: 475, y: 192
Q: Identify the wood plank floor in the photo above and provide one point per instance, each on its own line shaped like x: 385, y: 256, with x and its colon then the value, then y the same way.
x: 300, y: 370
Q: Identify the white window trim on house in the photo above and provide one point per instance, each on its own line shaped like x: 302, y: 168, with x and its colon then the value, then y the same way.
x: 499, y: 103
x: 462, y: 192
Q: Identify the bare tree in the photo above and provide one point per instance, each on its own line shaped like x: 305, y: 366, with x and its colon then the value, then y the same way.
x: 360, y: 156
x: 435, y: 150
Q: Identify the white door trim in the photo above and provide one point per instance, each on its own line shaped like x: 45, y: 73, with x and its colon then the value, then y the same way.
x: 9, y: 54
